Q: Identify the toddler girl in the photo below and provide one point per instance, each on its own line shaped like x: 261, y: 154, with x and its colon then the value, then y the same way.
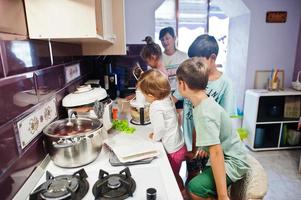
x: 163, y: 116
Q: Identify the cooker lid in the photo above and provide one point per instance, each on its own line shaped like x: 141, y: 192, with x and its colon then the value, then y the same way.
x: 84, y: 95
x: 77, y: 127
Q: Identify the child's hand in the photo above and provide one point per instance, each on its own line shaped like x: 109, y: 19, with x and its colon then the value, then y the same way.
x: 200, y: 154
x: 151, y: 136
x: 130, y: 97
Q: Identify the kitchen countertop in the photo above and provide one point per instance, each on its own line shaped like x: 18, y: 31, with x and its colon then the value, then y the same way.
x: 157, y: 174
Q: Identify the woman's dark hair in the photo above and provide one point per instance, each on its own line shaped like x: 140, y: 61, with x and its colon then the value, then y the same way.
x: 203, y: 46
x: 166, y: 30
x: 150, y: 49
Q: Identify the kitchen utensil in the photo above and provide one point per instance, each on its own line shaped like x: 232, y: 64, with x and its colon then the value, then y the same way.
x: 139, y: 109
x: 90, y: 102
x: 297, y: 84
x: 76, y: 145
x: 137, y: 71
x: 110, y: 81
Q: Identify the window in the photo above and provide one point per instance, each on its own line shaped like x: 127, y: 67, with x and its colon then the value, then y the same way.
x: 195, y: 17
x: 165, y: 16
x: 219, y: 27
x: 192, y: 21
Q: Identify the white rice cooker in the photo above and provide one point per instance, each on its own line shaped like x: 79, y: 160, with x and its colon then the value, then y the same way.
x: 90, y: 102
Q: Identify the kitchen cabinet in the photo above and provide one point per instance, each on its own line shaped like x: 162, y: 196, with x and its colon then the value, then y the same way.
x: 266, y: 117
x: 12, y: 23
x: 95, y: 23
x: 119, y: 46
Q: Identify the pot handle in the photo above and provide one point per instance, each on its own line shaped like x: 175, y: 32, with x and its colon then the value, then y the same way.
x: 64, y: 143
x: 99, y: 109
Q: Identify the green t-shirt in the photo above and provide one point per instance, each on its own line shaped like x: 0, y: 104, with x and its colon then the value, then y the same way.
x: 222, y: 92
x: 213, y: 126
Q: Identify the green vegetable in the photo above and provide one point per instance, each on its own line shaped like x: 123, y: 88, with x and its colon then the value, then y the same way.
x: 123, y: 126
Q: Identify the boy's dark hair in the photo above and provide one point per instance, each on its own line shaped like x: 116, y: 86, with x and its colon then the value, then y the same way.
x: 150, y: 49
x: 203, y: 46
x: 194, y: 73
x: 166, y: 30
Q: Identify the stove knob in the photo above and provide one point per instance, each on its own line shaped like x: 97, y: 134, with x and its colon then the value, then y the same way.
x: 151, y: 194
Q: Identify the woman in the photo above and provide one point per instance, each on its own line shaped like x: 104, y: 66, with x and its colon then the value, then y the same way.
x: 171, y: 55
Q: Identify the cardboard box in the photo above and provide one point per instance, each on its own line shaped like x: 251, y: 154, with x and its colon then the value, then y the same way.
x: 292, y: 107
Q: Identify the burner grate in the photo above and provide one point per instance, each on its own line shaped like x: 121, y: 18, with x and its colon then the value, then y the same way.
x: 115, y: 186
x: 62, y: 187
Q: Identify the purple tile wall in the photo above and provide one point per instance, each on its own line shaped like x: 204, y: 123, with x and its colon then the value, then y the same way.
x: 49, y: 81
x: 27, y: 79
x: 123, y: 67
x: 17, y: 174
x: 9, y: 146
x: 1, y: 65
x: 65, y: 52
x: 25, y: 56
x: 17, y: 95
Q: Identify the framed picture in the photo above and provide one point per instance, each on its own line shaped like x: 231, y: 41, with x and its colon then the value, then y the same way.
x: 276, y: 17
x: 262, y: 77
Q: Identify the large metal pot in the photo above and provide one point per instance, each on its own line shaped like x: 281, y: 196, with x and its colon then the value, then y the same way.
x: 74, y: 144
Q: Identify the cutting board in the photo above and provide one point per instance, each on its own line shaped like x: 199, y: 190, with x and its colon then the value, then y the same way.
x: 129, y: 148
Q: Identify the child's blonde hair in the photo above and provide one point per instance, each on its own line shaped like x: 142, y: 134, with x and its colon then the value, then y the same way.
x: 153, y: 82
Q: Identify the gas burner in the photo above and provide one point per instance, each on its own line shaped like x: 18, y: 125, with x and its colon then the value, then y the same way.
x: 62, y: 187
x: 114, y: 186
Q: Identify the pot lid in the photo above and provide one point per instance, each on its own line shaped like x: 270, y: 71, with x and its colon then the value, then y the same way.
x: 79, y: 127
x: 84, y: 94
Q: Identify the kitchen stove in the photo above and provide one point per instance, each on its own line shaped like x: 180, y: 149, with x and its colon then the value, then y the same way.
x: 114, y: 186
x: 73, y: 186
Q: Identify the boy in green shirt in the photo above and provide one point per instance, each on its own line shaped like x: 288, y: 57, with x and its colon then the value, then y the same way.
x: 214, y: 134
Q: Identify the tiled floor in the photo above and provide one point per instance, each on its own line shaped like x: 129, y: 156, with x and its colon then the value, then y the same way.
x: 282, y: 170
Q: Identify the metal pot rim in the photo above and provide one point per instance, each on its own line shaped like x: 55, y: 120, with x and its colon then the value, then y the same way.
x: 84, y: 134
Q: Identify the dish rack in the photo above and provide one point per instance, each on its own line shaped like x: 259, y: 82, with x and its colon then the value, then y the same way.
x: 297, y: 84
